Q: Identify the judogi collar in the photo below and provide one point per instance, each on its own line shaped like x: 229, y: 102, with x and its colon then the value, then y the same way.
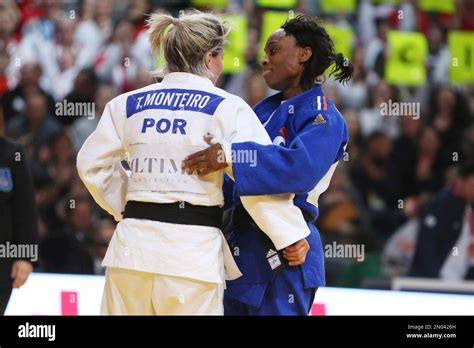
x: 270, y: 104
x: 182, y: 77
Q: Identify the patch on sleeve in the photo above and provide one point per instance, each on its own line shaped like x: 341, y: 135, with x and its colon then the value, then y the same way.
x: 6, y: 182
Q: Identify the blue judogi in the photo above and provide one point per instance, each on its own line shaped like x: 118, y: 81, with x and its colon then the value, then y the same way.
x: 312, y: 136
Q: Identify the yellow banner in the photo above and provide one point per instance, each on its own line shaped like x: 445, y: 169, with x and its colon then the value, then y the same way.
x: 347, y: 6
x: 209, y: 3
x: 277, y: 3
x: 385, y: 2
x: 444, y: 6
x: 461, y: 48
x: 405, y: 64
x: 342, y: 38
x: 234, y: 60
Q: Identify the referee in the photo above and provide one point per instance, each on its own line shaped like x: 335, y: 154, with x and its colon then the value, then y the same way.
x: 18, y: 219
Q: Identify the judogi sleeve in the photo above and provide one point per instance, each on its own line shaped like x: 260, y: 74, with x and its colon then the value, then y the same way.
x: 98, y: 163
x: 276, y: 215
x: 296, y: 168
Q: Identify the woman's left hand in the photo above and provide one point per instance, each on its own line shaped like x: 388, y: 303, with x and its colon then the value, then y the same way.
x: 296, y: 252
x: 206, y: 161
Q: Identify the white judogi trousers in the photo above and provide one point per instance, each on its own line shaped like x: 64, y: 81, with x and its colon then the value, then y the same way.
x: 164, y: 269
x: 129, y: 292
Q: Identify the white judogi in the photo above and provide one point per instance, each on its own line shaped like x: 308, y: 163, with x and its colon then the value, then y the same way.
x: 155, y: 128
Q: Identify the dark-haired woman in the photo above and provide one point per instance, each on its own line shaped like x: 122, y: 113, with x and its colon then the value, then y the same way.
x: 312, y: 136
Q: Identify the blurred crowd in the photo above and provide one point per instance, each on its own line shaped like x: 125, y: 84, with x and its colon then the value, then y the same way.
x: 90, y: 51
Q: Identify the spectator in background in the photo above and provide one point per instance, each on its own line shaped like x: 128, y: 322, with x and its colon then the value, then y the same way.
x: 355, y: 137
x: 429, y: 167
x: 62, y: 162
x: 36, y: 126
x: 366, y: 28
x: 141, y: 52
x: 468, y: 141
x: 77, y: 189
x: 54, y: 176
x: 116, y: 63
x: 83, y: 93
x: 408, y: 21
x: 463, y: 18
x: 438, y: 55
x: 65, y: 29
x: 405, y: 154
x: 86, y: 9
x: 65, y: 74
x: 38, y: 35
x: 398, y: 252
x: 449, y: 115
x: 83, y: 127
x: 13, y: 102
x: 44, y: 22
x: 371, y: 173
x: 92, y: 33
x: 469, y: 90
x: 52, y: 213
x: 62, y: 59
x: 374, y: 176
x: 375, y: 50
x: 67, y: 250
x: 343, y: 219
x: 354, y: 94
x: 445, y: 246
x: 372, y: 119
x: 136, y: 13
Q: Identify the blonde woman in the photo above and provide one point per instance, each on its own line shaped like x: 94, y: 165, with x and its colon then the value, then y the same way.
x: 168, y: 255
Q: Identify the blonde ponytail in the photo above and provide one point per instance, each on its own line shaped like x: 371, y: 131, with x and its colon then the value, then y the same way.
x: 187, y: 41
x: 158, y: 22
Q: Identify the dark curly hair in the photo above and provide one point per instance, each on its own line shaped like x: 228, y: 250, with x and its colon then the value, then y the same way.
x: 308, y: 33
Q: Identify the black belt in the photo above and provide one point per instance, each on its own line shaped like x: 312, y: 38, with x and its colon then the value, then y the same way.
x: 181, y: 213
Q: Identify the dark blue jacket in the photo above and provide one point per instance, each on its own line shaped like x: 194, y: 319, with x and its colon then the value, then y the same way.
x: 439, y: 231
